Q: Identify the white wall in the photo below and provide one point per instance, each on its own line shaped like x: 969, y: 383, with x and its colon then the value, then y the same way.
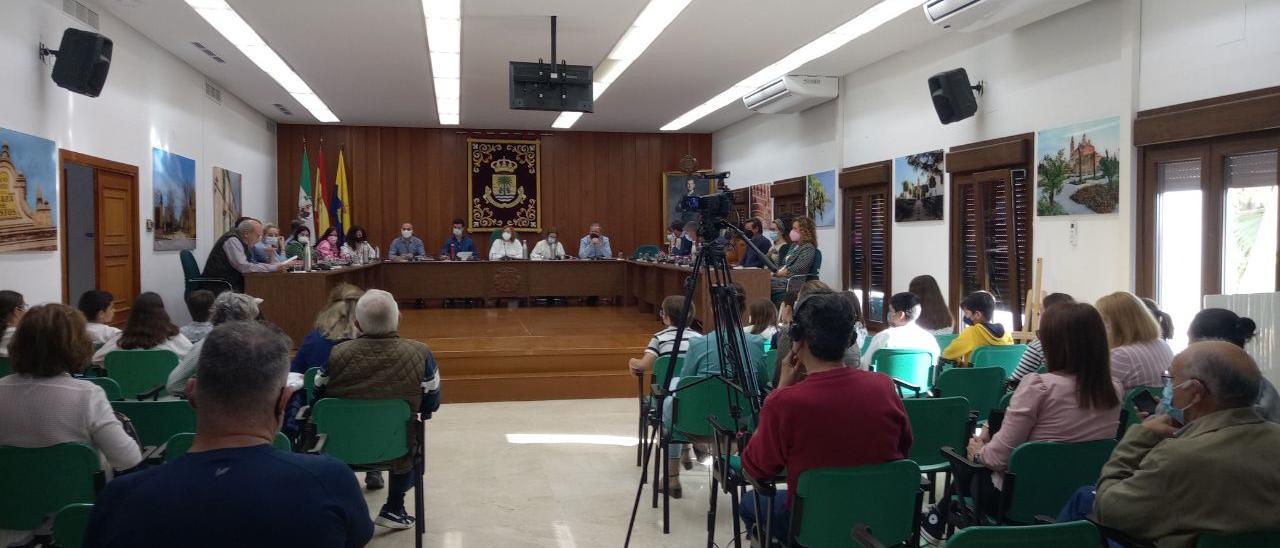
x: 151, y: 99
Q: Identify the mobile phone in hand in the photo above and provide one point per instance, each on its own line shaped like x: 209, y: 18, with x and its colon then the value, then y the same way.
x: 1145, y: 402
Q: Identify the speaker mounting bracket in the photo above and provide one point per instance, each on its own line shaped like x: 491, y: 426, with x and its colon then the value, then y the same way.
x: 978, y: 88
x: 46, y: 52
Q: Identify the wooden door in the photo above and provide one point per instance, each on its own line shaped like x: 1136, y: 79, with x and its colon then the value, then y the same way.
x: 116, y: 253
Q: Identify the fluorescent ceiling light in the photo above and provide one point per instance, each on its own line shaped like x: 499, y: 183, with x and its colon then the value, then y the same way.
x: 231, y: 26
x: 443, y: 19
x: 653, y: 19
x: 867, y: 21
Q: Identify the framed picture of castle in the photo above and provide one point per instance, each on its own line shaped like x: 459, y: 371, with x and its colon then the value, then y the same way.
x: 1078, y: 168
x: 28, y: 193
x: 173, y: 192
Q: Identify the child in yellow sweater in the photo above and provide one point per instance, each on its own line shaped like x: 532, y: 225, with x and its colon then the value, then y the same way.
x: 978, y: 308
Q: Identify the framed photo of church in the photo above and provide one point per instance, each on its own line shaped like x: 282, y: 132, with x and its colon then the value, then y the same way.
x: 1078, y: 168
x: 676, y: 186
x: 28, y: 193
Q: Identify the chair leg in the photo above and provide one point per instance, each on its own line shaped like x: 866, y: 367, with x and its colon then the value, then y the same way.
x: 711, y: 512
x: 737, y: 518
x: 666, y: 492
x: 658, y: 456
x: 419, y: 498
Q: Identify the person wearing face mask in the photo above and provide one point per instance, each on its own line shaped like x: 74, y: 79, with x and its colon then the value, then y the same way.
x: 297, y: 245
x: 549, y: 249
x: 357, y: 247
x: 778, y: 233
x: 458, y: 242
x: 230, y: 257
x: 270, y: 249
x: 595, y: 245
x: 1208, y: 464
x: 506, y: 248
x: 978, y: 308
x: 800, y: 257
x: 903, y: 333
x: 751, y: 258
x: 328, y: 249
x: 407, y: 246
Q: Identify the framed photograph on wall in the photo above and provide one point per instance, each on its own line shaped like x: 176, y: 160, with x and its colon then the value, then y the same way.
x: 820, y: 196
x: 226, y: 199
x: 676, y: 185
x: 28, y: 192
x: 918, y: 187
x: 1078, y: 168
x: 173, y: 187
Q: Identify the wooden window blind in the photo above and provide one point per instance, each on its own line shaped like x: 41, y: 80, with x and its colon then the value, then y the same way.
x: 867, y: 239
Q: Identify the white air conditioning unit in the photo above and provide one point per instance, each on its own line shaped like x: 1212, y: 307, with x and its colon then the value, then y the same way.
x: 792, y: 93
x: 972, y: 15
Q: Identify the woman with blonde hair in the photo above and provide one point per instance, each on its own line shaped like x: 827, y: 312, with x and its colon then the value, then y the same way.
x: 801, y: 258
x: 1139, y: 356
x: 334, y: 324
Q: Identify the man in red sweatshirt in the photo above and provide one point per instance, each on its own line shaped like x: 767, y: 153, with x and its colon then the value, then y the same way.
x: 836, y: 416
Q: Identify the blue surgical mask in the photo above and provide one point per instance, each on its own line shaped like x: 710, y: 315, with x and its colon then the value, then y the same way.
x: 968, y: 320
x: 771, y: 235
x: 1166, y: 401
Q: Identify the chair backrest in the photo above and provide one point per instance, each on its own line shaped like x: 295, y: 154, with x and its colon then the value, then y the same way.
x: 6, y: 366
x: 1133, y: 411
x: 363, y: 431
x: 646, y: 251
x: 1046, y: 474
x: 936, y: 423
x: 179, y: 444
x: 1005, y: 357
x: 664, y: 368
x: 69, y: 525
x: 190, y: 269
x: 110, y: 386
x: 1237, y: 540
x: 698, y: 397
x: 829, y: 501
x: 157, y: 421
x: 909, y: 366
x: 138, y: 371
x: 309, y: 384
x: 982, y: 386
x: 1071, y: 534
x: 36, y: 482
x: 771, y: 364
x: 945, y: 340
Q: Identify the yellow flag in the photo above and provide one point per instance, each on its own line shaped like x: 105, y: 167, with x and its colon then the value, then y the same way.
x: 343, y: 200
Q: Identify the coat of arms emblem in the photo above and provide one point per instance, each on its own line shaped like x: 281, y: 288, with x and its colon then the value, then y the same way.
x: 503, y: 191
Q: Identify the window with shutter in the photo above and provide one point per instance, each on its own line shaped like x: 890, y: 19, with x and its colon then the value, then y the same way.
x: 867, y: 238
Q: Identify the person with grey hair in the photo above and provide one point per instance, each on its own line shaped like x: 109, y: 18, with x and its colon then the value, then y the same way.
x: 380, y: 365
x: 1206, y: 464
x: 230, y: 257
x: 227, y: 307
x: 271, y: 248
x: 233, y: 488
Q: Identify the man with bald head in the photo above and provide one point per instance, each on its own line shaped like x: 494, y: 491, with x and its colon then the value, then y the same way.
x: 1206, y: 465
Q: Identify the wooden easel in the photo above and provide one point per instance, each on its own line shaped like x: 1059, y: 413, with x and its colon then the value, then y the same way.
x: 1031, y: 316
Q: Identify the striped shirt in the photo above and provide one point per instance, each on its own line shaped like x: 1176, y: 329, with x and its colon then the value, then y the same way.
x: 663, y: 341
x: 1141, y: 364
x: 1032, y: 360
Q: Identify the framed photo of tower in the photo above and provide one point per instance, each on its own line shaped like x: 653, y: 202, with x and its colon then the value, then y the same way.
x: 28, y: 193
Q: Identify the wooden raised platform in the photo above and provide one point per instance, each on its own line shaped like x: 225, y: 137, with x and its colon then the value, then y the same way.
x: 537, y: 353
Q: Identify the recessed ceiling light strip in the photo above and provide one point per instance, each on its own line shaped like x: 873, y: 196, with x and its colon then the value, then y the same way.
x: 444, y: 42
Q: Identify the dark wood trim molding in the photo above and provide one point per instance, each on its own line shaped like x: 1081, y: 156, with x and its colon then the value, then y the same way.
x: 1013, y: 151
x: 788, y: 187
x: 866, y: 174
x: 1227, y: 115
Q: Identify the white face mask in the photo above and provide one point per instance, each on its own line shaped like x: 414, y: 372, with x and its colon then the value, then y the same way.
x: 551, y: 240
x: 272, y: 240
x: 457, y: 232
x: 406, y: 234
x: 304, y: 239
x: 506, y: 236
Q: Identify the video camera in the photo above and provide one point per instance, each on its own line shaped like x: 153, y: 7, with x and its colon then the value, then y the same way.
x: 712, y: 209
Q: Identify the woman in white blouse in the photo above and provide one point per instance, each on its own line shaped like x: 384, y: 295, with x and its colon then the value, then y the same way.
x: 41, y: 404
x: 1139, y: 356
x: 508, y: 247
x: 549, y: 249
x: 357, y: 247
x: 148, y: 328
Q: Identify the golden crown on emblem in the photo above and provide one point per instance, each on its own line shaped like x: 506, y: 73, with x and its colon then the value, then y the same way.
x: 504, y: 165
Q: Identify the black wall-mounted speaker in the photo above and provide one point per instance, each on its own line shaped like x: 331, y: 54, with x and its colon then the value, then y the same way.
x: 953, y: 95
x: 83, y: 60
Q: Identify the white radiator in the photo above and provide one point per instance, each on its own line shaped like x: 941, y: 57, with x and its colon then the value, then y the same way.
x: 1263, y: 309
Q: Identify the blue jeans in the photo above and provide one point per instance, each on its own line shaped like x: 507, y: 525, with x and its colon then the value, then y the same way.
x: 781, y: 514
x: 1079, y: 506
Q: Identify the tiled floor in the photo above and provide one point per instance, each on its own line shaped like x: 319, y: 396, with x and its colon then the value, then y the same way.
x: 573, y: 485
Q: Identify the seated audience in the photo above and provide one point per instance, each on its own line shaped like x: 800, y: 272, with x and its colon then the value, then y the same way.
x: 327, y: 249
x: 1033, y: 358
x: 199, y: 303
x: 357, y: 247
x: 270, y: 249
x: 801, y: 257
x: 148, y: 328
x: 549, y: 249
x: 335, y: 323
x: 860, y: 334
x: 407, y: 246
x: 228, y: 307
x: 12, y: 306
x: 1162, y: 317
x: 458, y: 242
x: 755, y: 231
x: 836, y: 417
x: 663, y: 341
x: 42, y: 405
x: 99, y: 311
x: 903, y: 333
x: 230, y: 257
x: 595, y: 245
x: 1209, y: 464
x: 379, y: 365
x: 507, y: 247
x: 233, y: 488
x: 762, y: 319
x: 935, y: 315
x: 781, y: 240
x: 1075, y: 401
x: 1138, y: 355
x: 978, y: 308
x: 301, y: 241
x: 852, y: 354
x: 1224, y: 325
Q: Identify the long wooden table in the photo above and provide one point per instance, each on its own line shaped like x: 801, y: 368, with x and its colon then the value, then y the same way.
x: 292, y: 300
